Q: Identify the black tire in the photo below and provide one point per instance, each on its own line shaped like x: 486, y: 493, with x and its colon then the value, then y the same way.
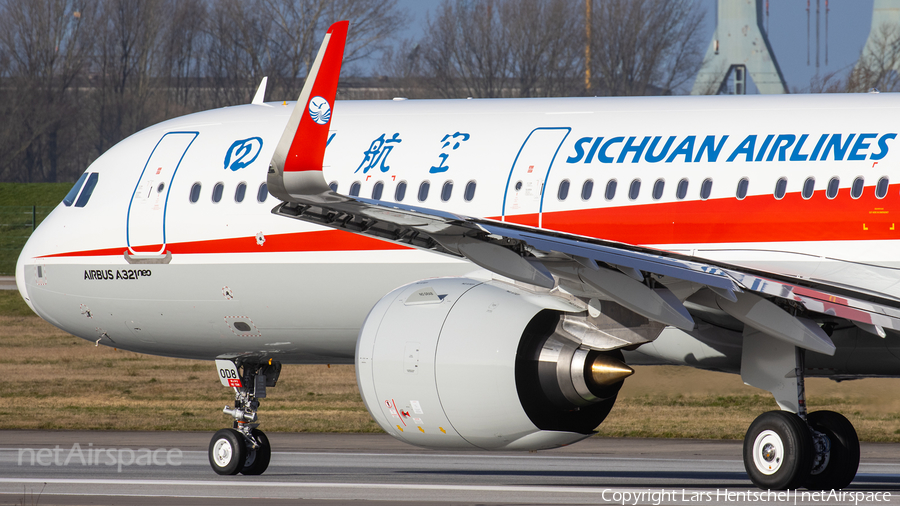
x: 258, y: 460
x: 778, y: 451
x: 844, y: 459
x: 227, y: 452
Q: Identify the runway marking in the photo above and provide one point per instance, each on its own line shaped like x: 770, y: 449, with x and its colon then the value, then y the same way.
x: 385, y: 486
x: 505, y: 457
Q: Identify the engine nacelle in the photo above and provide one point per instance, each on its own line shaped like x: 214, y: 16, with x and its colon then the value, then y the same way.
x: 462, y: 364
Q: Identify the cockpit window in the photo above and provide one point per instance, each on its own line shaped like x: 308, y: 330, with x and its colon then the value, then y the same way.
x: 70, y: 197
x: 88, y: 190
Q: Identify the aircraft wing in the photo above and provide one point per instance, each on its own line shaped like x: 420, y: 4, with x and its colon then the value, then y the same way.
x: 638, y: 278
x: 632, y: 276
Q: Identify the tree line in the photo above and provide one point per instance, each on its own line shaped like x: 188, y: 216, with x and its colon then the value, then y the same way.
x: 78, y: 76
x: 547, y: 49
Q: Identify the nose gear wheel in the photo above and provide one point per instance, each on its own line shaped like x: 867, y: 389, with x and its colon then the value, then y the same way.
x: 244, y: 448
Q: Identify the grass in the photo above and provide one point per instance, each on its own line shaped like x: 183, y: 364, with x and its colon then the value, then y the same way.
x: 22, y: 207
x: 53, y: 380
x: 668, y: 401
x: 57, y: 381
x: 33, y: 194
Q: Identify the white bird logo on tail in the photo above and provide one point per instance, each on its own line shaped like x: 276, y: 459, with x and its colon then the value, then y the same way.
x: 319, y: 110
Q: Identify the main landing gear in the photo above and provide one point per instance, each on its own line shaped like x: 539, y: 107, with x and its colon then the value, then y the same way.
x: 781, y: 451
x: 790, y: 449
x: 243, y: 448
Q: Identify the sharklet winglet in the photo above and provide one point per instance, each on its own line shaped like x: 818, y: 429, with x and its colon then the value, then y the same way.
x: 296, y: 166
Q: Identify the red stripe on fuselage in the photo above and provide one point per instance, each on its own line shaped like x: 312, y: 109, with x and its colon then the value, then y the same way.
x: 755, y: 219
x: 324, y: 240
x: 759, y: 219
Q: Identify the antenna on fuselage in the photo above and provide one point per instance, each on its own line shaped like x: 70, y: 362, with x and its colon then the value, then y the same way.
x: 260, y: 92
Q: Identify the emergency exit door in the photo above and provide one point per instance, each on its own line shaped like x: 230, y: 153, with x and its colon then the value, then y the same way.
x: 523, y: 200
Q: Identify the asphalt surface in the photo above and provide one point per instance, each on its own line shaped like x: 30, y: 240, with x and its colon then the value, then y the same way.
x: 83, y: 467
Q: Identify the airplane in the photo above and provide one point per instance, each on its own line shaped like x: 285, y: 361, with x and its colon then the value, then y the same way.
x: 494, y: 267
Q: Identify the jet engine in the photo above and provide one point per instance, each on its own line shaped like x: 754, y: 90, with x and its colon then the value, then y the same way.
x: 455, y: 363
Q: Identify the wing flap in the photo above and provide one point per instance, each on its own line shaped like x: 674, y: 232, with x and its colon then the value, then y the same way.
x: 542, y: 252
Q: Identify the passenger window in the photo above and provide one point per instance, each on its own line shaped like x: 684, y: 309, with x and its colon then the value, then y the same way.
x: 240, y: 192
x: 377, y: 190
x: 834, y: 184
x: 855, y: 191
x: 882, y: 188
x: 635, y: 189
x: 354, y: 189
x: 658, y: 188
x: 70, y: 197
x: 742, y: 187
x: 780, y: 188
x: 563, y: 190
x: 423, y: 190
x: 470, y: 191
x: 218, y: 189
x: 809, y: 187
x: 263, y: 193
x: 446, y: 191
x: 587, y: 189
x: 195, y: 193
x: 611, y: 189
x: 88, y: 189
x: 681, y: 191
x: 333, y: 185
x: 400, y: 192
x: 705, y: 189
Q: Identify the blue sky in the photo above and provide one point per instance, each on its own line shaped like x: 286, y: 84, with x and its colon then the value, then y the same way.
x: 849, y: 22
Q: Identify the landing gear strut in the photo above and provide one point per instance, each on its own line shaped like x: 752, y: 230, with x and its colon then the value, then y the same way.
x: 243, y: 448
x: 784, y: 450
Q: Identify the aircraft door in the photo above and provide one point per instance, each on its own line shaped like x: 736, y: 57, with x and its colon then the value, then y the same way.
x: 523, y: 200
x: 146, y: 226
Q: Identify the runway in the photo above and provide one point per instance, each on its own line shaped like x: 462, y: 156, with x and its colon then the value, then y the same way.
x: 171, y: 467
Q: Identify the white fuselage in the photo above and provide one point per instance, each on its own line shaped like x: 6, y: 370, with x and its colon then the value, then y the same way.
x: 142, y: 267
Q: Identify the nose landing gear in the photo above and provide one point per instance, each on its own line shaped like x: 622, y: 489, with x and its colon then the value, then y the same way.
x: 243, y: 448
